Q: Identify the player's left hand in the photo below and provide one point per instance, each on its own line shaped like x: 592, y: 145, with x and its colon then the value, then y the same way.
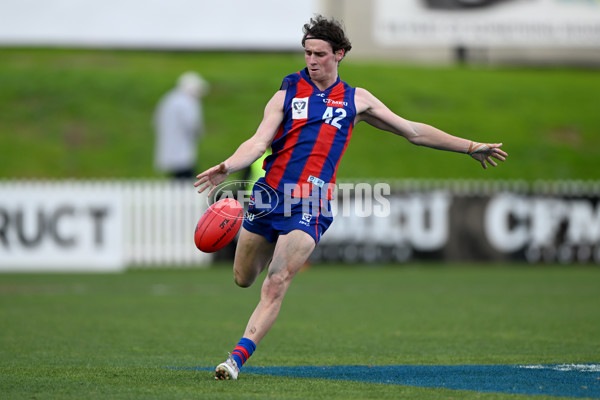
x: 485, y: 152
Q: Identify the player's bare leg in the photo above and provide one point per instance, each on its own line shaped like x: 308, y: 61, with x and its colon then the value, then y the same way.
x: 289, y: 255
x: 291, y: 252
x: 252, y: 256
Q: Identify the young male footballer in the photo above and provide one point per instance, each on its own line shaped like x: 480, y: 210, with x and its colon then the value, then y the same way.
x: 307, y: 124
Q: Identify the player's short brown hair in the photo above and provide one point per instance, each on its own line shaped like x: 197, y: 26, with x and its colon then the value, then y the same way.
x: 328, y: 30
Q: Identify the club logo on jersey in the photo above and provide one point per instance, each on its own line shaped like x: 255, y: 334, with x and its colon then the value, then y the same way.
x: 300, y: 108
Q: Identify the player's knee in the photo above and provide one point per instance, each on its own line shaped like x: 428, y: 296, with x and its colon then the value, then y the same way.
x: 243, y: 279
x: 275, y: 286
x: 244, y: 274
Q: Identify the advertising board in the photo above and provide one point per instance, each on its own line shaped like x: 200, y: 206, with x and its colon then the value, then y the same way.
x: 471, y: 222
x: 487, y: 23
x: 49, y: 228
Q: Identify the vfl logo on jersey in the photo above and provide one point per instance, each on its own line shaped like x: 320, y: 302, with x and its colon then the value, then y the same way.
x: 300, y: 108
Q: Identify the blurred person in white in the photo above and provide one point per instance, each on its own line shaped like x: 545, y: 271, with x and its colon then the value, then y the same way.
x: 179, y: 125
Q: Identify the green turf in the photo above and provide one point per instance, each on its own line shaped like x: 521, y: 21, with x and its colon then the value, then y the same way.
x: 86, y: 113
x: 112, y: 336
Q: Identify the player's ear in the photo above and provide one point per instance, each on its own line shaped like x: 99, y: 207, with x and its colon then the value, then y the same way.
x: 339, y: 55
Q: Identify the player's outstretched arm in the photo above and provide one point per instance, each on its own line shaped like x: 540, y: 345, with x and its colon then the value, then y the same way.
x: 374, y: 112
x: 249, y: 151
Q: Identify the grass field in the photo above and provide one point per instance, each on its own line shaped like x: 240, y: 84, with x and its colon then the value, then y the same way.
x: 115, y: 336
x: 85, y: 113
x: 152, y: 334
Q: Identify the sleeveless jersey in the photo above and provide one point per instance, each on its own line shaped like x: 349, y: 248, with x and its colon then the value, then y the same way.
x: 309, y: 144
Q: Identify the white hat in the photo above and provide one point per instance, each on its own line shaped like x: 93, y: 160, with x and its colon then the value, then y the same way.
x: 192, y: 83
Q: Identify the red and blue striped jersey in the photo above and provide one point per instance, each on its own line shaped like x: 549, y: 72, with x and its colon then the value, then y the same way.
x: 309, y: 144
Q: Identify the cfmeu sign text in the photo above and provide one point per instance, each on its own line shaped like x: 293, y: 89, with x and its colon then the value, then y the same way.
x: 60, y: 228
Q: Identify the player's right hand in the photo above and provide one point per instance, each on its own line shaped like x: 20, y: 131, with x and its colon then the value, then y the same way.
x: 211, y: 178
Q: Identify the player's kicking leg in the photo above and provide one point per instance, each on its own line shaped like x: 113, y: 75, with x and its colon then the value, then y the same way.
x: 291, y: 252
x: 253, y: 254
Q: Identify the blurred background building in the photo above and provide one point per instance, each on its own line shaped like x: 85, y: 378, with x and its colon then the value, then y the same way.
x: 563, y: 32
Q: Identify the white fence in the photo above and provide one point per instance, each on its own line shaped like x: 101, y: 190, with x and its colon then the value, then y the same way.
x: 111, y: 225
x: 98, y: 225
x: 160, y: 221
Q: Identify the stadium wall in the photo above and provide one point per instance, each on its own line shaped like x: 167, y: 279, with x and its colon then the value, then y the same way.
x: 140, y: 24
x: 562, y: 32
x: 565, y: 32
x: 112, y: 225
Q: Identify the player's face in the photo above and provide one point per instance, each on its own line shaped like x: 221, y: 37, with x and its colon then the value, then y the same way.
x: 321, y: 61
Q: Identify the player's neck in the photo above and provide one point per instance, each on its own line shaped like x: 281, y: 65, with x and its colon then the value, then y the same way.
x: 325, y: 83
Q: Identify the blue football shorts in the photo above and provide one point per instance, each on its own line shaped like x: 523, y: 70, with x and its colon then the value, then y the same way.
x: 272, y: 213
